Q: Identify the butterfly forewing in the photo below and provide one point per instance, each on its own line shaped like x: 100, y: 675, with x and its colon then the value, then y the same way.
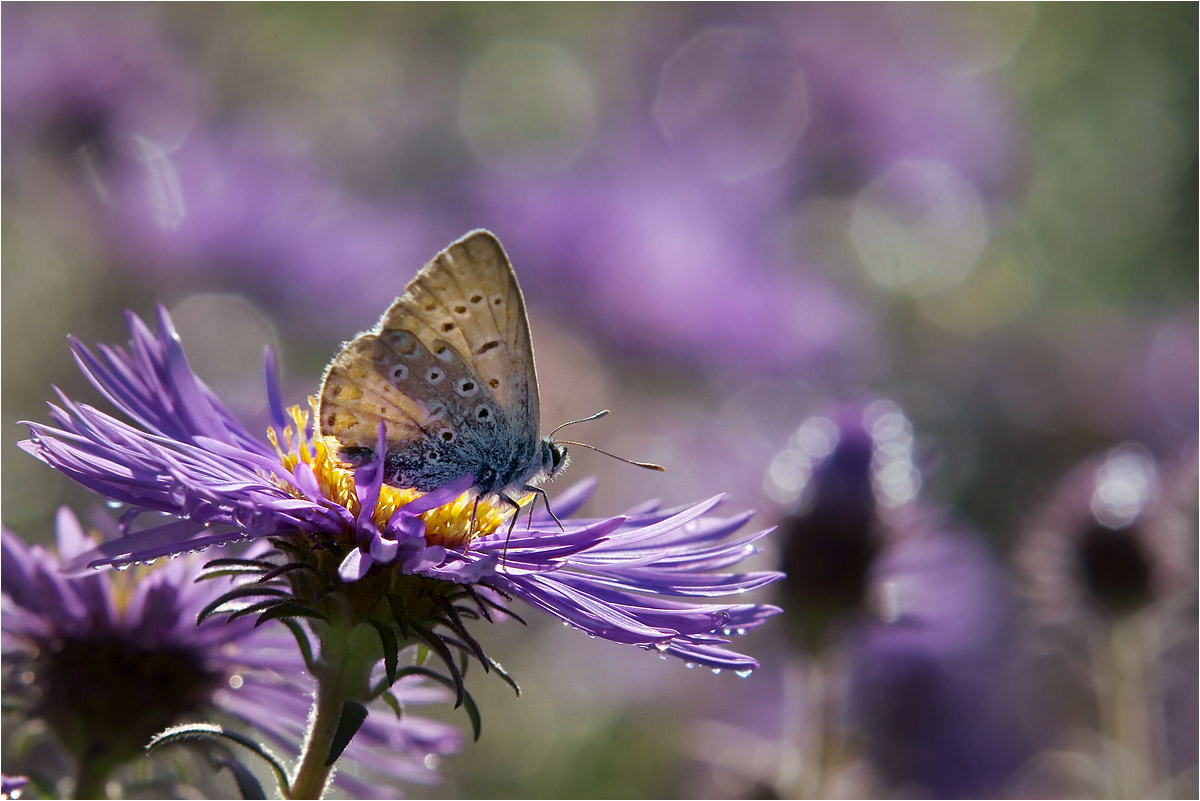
x: 448, y: 370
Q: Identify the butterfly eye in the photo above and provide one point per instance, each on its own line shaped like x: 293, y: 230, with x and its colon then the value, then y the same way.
x: 466, y: 387
x: 434, y: 375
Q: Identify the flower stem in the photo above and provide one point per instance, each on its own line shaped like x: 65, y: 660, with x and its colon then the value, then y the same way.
x: 348, y: 653
x: 312, y: 774
x: 1125, y: 698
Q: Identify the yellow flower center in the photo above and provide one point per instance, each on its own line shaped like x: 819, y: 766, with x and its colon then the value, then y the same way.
x: 452, y: 525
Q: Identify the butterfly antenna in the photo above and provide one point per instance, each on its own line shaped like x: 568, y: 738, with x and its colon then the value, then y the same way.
x: 595, y: 416
x: 647, y: 465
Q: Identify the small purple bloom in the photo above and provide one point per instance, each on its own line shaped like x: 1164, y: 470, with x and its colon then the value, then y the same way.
x: 839, y: 476
x: 636, y: 578
x: 107, y: 660
x: 1111, y: 540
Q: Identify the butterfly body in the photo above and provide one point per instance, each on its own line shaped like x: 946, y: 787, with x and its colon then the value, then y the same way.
x: 449, y: 372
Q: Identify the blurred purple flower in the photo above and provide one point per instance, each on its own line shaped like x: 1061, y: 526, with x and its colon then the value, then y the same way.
x: 886, y: 85
x: 1110, y: 541
x: 187, y: 457
x: 834, y: 531
x: 92, y: 81
x: 107, y: 660
x: 244, y: 207
x: 934, y: 683
x: 670, y: 261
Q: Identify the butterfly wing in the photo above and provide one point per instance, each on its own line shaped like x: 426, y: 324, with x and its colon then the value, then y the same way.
x: 449, y: 371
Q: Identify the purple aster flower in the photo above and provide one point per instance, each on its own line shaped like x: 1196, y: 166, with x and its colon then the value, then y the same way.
x: 107, y: 660
x: 370, y: 567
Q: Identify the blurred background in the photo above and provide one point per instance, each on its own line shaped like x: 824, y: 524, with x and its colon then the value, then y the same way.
x: 916, y: 282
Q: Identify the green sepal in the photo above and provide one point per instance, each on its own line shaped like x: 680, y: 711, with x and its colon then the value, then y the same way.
x: 351, y: 718
x: 211, y: 731
x: 391, y: 649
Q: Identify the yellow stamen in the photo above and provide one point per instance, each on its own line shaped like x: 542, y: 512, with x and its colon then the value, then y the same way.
x: 450, y: 525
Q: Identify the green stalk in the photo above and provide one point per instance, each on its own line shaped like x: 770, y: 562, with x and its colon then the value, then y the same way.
x: 348, y: 652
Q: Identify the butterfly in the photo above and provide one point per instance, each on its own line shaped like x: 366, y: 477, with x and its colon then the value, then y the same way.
x: 448, y: 370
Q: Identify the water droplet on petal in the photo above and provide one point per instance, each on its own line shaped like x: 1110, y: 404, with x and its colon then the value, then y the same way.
x: 121, y: 568
x: 690, y: 665
x: 112, y: 503
x: 716, y: 671
x: 743, y: 674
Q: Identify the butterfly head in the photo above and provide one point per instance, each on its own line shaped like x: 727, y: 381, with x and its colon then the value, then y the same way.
x: 554, y: 457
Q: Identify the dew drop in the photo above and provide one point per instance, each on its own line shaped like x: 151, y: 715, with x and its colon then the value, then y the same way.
x: 113, y: 504
x: 690, y: 665
x: 122, y: 568
x: 743, y: 674
x: 662, y: 646
x: 716, y: 671
x: 741, y: 632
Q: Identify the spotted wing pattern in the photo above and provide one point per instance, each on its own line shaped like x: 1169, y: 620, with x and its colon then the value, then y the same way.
x: 449, y: 371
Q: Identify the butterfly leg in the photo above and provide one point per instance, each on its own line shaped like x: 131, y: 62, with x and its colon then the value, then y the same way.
x: 546, y: 500
x: 511, y: 523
